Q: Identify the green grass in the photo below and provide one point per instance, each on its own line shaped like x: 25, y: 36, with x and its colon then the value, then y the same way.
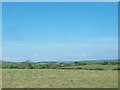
x: 58, y: 78
x: 0, y: 78
x: 94, y: 66
x: 105, y: 67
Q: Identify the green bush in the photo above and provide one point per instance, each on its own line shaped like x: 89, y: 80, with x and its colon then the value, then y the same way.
x: 79, y: 68
x: 79, y: 63
x: 26, y: 65
x: 96, y: 69
x: 118, y: 68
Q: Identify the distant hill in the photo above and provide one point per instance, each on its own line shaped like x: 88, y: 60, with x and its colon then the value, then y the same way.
x: 84, y: 61
x: 88, y: 61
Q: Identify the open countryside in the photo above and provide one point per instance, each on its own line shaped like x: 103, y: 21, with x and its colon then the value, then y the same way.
x: 60, y: 75
x: 59, y: 45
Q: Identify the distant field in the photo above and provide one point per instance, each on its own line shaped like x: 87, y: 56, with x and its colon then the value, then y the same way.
x: 94, y: 66
x: 0, y: 78
x: 105, y: 67
x: 59, y: 78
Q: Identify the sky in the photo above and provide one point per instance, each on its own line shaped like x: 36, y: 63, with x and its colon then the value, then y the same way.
x: 63, y: 31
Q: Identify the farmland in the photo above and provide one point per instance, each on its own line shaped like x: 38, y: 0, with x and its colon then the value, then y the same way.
x: 59, y: 78
x: 60, y: 75
x: 59, y: 44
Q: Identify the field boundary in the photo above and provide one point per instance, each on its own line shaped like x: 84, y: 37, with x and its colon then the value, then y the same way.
x: 59, y: 88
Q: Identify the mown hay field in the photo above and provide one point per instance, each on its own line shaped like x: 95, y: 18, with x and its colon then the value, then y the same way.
x: 59, y: 78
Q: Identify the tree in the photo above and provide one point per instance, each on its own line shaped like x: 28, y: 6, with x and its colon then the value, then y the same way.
x: 76, y: 63
x: 26, y: 65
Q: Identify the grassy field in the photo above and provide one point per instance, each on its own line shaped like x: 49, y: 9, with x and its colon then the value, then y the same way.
x: 105, y: 67
x: 0, y: 78
x: 94, y: 66
x: 59, y: 78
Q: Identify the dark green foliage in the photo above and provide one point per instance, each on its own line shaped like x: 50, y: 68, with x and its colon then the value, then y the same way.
x: 96, y: 69
x: 93, y: 69
x: 66, y: 68
x: 79, y: 68
x: 54, y: 65
x: 79, y: 63
x: 118, y: 68
x: 109, y: 63
x: 26, y: 65
x: 12, y: 65
x: 70, y: 68
x: 104, y: 63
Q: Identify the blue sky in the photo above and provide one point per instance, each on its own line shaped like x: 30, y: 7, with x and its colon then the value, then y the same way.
x: 59, y: 31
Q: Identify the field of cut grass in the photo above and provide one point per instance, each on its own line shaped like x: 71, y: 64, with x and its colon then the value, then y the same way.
x: 0, y: 78
x: 105, y: 67
x: 59, y: 78
x: 94, y: 66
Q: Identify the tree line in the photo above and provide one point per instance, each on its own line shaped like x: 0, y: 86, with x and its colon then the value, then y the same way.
x: 55, y: 65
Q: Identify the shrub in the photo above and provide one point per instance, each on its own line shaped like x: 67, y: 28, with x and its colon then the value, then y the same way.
x: 96, y: 69
x: 79, y: 63
x: 79, y: 68
x: 26, y: 65
x: 118, y: 68
x: 104, y: 63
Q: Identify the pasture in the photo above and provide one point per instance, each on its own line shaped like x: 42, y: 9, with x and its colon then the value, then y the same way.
x: 59, y: 78
x: 94, y: 67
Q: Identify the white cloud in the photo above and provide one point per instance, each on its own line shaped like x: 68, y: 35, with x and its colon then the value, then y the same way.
x: 17, y: 57
x: 5, y: 58
x: 77, y: 55
x: 36, y: 55
x: 81, y: 55
x: 11, y: 58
